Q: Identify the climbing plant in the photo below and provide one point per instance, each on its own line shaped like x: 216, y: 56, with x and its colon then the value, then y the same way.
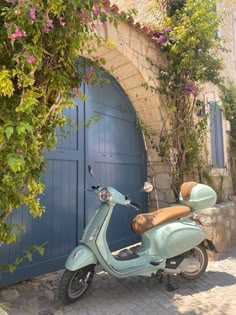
x: 187, y: 32
x: 40, y: 41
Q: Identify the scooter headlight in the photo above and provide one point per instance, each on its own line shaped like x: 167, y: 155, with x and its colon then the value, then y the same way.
x: 105, y: 195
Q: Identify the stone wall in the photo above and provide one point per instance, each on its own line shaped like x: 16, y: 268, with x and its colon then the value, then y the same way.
x: 126, y: 61
x: 220, y: 224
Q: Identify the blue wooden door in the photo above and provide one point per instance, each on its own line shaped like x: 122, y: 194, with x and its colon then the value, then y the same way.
x: 114, y: 147
x: 63, y: 222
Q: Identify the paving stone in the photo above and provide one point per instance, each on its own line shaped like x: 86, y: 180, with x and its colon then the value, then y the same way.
x: 9, y: 295
x: 212, y: 294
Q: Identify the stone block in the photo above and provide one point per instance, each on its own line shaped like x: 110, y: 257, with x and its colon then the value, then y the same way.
x: 135, y: 43
x: 220, y: 218
x: 232, y: 224
x: 228, y: 235
x: 124, y: 33
x: 9, y: 294
x: 208, y: 212
x: 232, y: 212
x: 163, y: 181
x: 125, y: 71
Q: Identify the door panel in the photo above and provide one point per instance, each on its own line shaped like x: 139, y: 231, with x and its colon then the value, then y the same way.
x: 115, y: 149
x: 62, y: 224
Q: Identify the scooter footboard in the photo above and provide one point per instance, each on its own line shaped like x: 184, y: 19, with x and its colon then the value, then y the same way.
x: 80, y: 257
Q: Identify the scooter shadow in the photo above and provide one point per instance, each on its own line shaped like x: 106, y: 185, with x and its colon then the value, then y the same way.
x: 211, y: 279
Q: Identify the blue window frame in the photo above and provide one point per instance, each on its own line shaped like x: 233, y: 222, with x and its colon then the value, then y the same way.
x: 216, y: 132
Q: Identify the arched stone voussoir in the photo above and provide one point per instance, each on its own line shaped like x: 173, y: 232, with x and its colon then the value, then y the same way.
x: 126, y: 51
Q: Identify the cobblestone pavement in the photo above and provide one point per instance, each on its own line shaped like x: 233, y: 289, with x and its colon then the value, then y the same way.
x: 214, y: 293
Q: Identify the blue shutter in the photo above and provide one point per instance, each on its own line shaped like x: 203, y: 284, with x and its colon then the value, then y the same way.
x: 216, y: 132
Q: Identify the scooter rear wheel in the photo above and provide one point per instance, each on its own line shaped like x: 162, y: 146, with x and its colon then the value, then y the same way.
x: 200, y: 253
x: 75, y: 283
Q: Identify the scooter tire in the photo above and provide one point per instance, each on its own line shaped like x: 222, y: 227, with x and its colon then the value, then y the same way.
x: 202, y: 254
x: 74, y: 284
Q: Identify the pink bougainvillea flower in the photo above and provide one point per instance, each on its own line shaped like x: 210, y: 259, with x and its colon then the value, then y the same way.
x: 167, y: 28
x: 49, y: 26
x: 31, y: 59
x: 96, y: 10
x: 18, y: 33
x: 32, y: 14
x: 107, y: 9
x: 83, y: 16
x: 76, y: 91
x: 6, y: 24
x: 162, y: 39
x: 88, y: 75
x: 18, y: 12
x: 61, y: 21
x: 189, y: 88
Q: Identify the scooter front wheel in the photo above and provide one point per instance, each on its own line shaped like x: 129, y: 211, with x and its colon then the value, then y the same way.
x: 200, y: 253
x: 75, y: 283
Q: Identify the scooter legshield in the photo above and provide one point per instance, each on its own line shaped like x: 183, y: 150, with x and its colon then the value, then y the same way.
x: 80, y: 257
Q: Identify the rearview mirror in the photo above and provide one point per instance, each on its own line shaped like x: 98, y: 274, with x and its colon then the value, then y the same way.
x: 90, y: 170
x: 147, y: 187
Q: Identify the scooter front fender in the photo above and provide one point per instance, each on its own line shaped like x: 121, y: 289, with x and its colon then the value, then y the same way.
x: 80, y: 257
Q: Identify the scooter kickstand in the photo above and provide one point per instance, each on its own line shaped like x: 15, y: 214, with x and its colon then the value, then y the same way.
x: 158, y: 276
x: 170, y: 287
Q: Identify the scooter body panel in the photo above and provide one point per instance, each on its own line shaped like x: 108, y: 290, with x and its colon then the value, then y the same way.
x: 80, y: 257
x: 95, y: 239
x: 172, y: 238
x: 158, y: 244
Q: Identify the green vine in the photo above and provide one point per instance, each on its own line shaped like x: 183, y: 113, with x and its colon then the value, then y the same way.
x: 40, y: 75
x: 187, y: 33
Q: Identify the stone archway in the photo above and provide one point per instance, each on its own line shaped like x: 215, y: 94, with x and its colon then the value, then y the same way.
x: 126, y: 52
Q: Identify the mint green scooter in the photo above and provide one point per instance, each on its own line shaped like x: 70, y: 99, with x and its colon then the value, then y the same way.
x: 173, y: 242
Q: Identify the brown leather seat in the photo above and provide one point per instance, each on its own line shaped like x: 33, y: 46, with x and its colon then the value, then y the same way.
x: 146, y: 221
x: 186, y: 189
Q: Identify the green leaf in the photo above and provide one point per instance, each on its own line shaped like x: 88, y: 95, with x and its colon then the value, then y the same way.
x: 12, y: 268
x: 15, y: 162
x: 6, y: 85
x: 19, y: 260
x: 41, y: 250
x: 9, y: 131
x: 29, y: 256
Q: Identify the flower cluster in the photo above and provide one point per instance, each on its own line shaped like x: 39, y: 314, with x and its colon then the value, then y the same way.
x: 189, y: 88
x: 88, y: 75
x: 49, y: 23
x: 18, y: 33
x: 30, y: 58
x: 162, y: 39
